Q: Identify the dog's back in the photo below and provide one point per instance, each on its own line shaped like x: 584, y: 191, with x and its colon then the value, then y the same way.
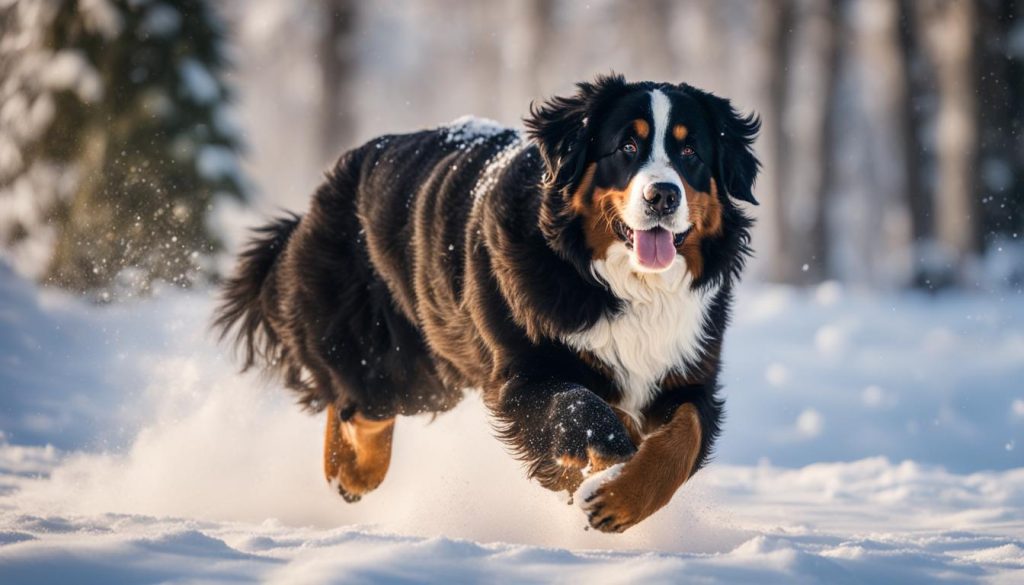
x: 357, y: 303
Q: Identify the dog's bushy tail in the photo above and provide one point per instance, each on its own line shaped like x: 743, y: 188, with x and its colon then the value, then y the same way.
x: 242, y: 309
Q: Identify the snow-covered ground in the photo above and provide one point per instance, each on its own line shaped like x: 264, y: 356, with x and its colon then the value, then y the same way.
x: 870, y: 439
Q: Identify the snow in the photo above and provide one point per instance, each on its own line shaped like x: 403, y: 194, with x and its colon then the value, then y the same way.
x: 777, y: 375
x: 471, y: 130
x: 25, y: 120
x: 1015, y: 43
x: 133, y: 452
x: 216, y: 162
x: 101, y: 16
x: 810, y: 423
x: 593, y: 482
x: 199, y: 82
x: 160, y: 21
x: 70, y: 69
x: 1004, y: 262
x: 497, y: 163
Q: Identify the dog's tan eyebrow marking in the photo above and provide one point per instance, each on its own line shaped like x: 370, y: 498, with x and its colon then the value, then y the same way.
x: 643, y: 129
x: 679, y: 131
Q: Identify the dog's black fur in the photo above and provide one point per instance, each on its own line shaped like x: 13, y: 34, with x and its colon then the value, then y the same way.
x: 416, y: 275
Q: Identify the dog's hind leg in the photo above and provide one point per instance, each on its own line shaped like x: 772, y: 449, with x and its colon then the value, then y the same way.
x: 357, y: 453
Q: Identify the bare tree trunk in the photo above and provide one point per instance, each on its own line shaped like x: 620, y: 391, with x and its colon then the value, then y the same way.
x: 540, y: 20
x: 803, y: 182
x: 869, y: 214
x: 487, y: 66
x: 336, y: 54
x: 646, y: 29
x: 947, y: 32
x: 738, y: 54
x: 525, y: 49
x: 697, y: 40
x: 918, y: 198
x: 820, y: 236
x: 1000, y: 91
x: 781, y: 55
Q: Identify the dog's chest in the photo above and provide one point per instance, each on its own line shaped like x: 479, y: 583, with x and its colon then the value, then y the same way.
x: 660, y: 329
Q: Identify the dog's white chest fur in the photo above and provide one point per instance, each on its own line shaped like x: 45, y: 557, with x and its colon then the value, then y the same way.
x: 660, y: 329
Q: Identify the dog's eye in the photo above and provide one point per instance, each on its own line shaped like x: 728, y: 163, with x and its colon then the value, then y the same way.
x: 688, y: 151
x: 628, y: 147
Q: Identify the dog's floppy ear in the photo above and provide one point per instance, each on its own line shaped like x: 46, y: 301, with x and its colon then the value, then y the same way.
x: 561, y: 127
x: 737, y: 166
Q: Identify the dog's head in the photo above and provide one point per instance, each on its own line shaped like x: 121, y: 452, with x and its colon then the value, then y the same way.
x: 650, y: 165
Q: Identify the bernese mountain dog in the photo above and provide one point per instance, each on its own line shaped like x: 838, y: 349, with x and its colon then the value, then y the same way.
x: 579, y: 275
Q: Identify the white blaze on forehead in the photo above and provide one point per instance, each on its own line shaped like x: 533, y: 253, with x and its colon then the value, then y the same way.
x: 661, y: 109
x: 656, y: 169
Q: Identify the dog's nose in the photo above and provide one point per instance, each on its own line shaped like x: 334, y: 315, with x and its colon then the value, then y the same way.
x: 662, y: 198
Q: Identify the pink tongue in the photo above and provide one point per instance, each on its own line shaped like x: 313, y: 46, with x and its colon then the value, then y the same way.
x: 654, y: 248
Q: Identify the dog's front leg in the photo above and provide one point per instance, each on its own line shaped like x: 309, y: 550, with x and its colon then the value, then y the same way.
x: 560, y: 429
x: 666, y: 459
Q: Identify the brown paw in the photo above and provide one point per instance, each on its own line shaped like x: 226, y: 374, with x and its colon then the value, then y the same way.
x: 346, y: 495
x: 604, y: 501
x: 357, y: 453
x: 617, y: 502
x: 609, y: 511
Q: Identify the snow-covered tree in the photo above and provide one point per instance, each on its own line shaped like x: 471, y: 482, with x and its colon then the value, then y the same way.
x: 947, y: 33
x: 115, y: 139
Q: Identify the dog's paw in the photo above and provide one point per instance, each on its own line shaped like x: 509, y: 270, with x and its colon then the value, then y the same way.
x: 592, y: 484
x: 611, y: 502
x: 350, y: 480
x: 586, y: 433
x: 339, y: 489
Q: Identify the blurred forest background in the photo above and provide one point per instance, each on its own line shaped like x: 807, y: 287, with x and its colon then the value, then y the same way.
x: 137, y: 137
